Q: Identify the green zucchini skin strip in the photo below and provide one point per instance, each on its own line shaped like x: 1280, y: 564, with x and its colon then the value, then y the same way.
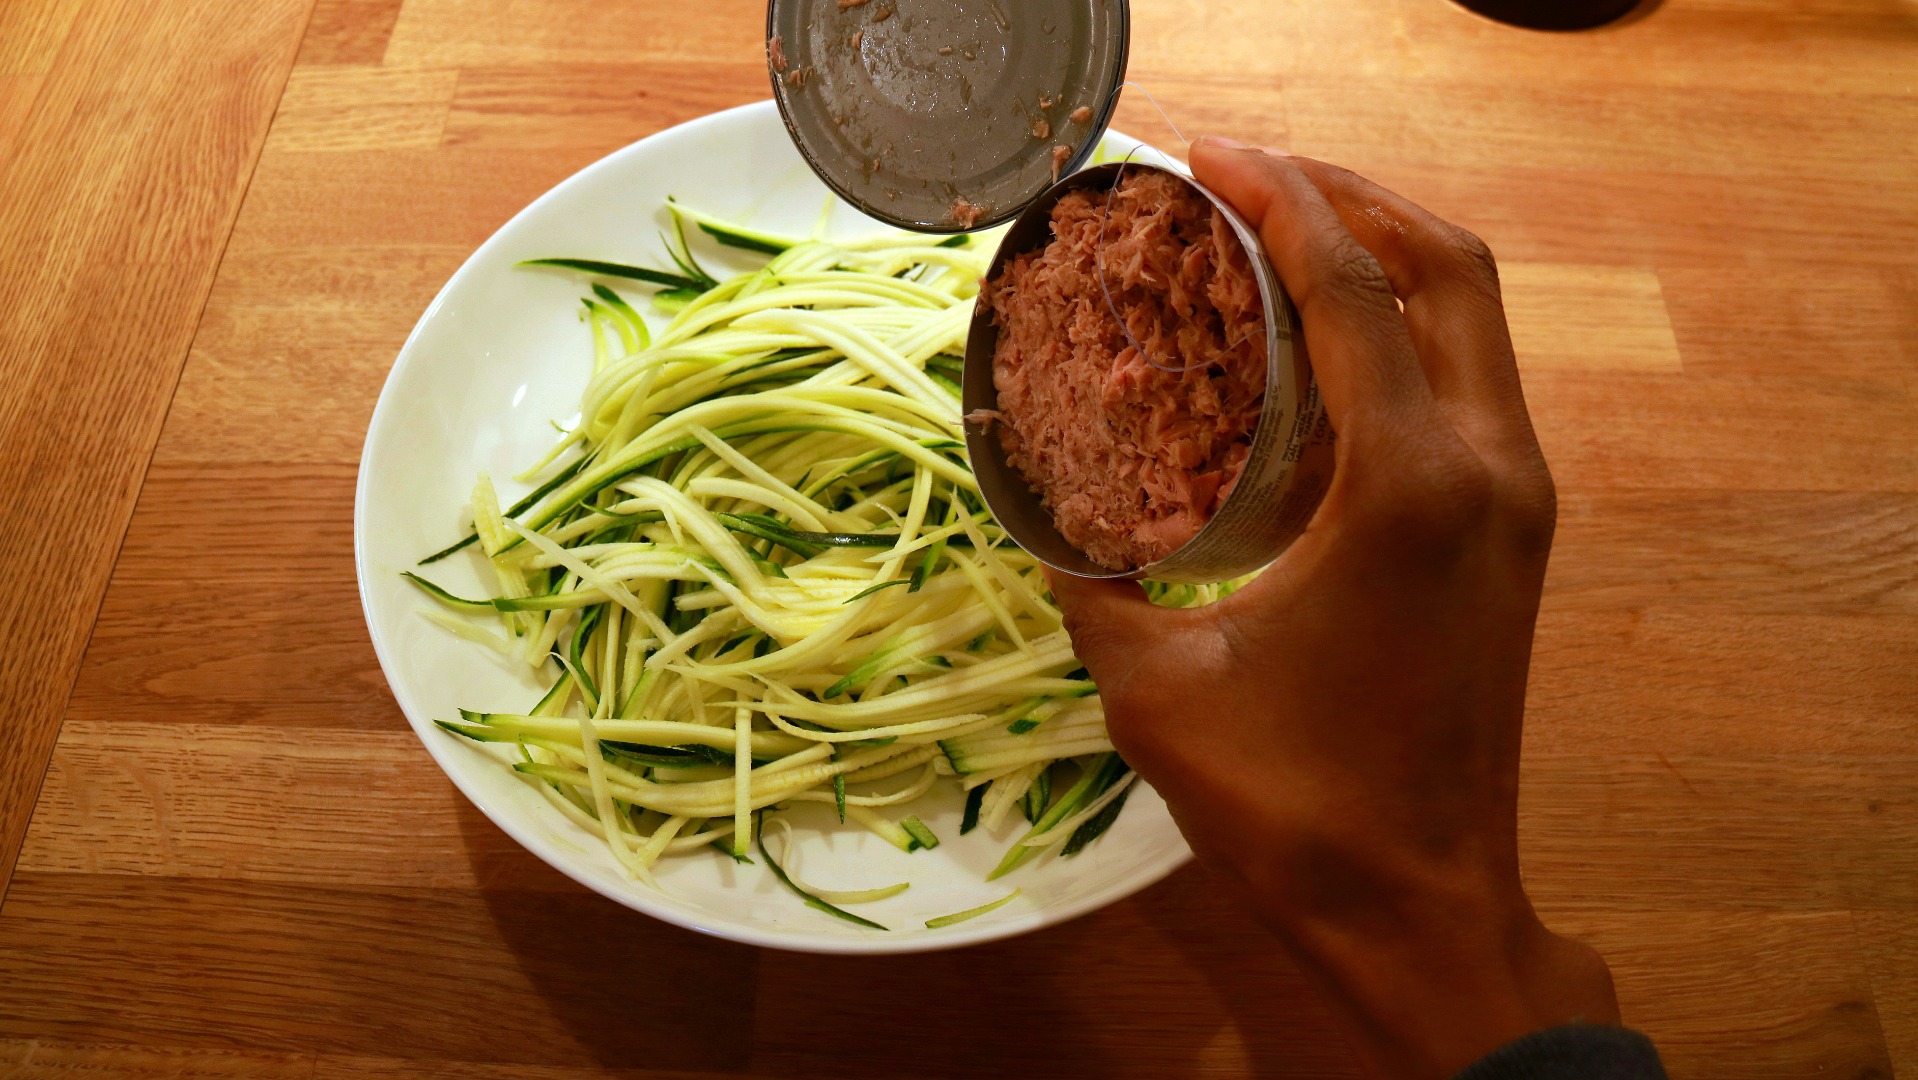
x: 457, y: 603
x: 607, y: 475
x: 551, y: 485
x: 560, y: 686
x: 972, y: 913
x: 469, y: 541
x: 742, y: 240
x: 869, y: 590
x: 759, y: 837
x: 683, y: 756
x: 1097, y: 825
x: 928, y: 562
x: 769, y: 529
x: 1101, y: 775
x: 738, y: 857
x: 682, y: 256
x: 918, y: 830
x: 974, y: 799
x: 643, y: 517
x: 620, y: 270
x: 667, y: 757
x: 625, y: 313
x: 766, y: 528
x: 672, y: 301
x: 1039, y: 796
x: 508, y: 728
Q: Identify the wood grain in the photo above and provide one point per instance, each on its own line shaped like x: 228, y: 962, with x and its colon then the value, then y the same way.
x: 1837, y: 322
x: 1735, y: 996
x: 1802, y: 684
x: 569, y: 105
x: 1644, y: 217
x: 16, y: 101
x: 347, y: 32
x: 1594, y: 127
x: 300, y: 328
x: 1739, y: 432
x: 1726, y: 994
x: 1587, y: 318
x: 363, y: 108
x: 34, y: 1059
x: 1756, y: 552
x: 240, y: 862
x: 38, y: 1059
x: 277, y: 603
x: 480, y: 33
x: 1889, y: 941
x: 277, y: 969
x: 31, y: 34
x: 254, y: 803
x: 257, y: 803
x: 135, y: 154
x: 1618, y: 829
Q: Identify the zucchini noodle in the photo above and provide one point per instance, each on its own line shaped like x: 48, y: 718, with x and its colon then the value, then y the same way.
x: 759, y: 572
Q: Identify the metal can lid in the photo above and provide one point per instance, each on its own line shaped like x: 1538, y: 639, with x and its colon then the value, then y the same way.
x: 945, y: 115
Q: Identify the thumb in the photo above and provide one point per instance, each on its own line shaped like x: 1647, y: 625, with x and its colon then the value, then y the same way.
x: 1111, y: 621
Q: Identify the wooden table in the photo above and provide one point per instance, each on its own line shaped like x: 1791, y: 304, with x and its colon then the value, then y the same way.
x: 228, y: 854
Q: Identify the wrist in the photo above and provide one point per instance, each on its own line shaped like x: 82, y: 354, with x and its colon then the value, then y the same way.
x: 1433, y: 974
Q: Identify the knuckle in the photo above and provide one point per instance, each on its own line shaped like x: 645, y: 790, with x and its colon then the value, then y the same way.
x: 1108, y: 652
x: 1445, y: 495
x: 1092, y: 639
x: 1532, y: 506
x: 1473, y: 251
x: 1461, y: 255
x: 1463, y: 491
x: 1347, y: 271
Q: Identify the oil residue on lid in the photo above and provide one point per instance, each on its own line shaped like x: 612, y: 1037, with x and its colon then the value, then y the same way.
x: 945, y: 115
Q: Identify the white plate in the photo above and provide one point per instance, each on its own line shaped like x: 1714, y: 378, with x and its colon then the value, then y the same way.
x: 498, y: 355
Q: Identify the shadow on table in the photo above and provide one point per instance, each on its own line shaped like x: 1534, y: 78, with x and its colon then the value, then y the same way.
x: 1170, y: 983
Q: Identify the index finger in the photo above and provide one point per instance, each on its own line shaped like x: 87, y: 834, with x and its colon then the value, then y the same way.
x: 1362, y: 356
x: 1448, y: 282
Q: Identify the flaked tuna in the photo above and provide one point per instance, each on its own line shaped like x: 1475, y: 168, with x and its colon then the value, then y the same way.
x: 964, y: 214
x: 1061, y: 153
x: 1130, y: 459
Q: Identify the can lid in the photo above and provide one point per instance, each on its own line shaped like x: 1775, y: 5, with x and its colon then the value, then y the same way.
x: 945, y: 115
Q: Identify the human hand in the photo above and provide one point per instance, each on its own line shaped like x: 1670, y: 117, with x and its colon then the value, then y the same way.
x: 1340, y: 738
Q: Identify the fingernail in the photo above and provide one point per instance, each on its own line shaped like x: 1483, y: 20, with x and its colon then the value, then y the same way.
x: 1220, y: 142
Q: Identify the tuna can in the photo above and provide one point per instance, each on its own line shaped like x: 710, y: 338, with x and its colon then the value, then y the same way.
x: 1288, y: 466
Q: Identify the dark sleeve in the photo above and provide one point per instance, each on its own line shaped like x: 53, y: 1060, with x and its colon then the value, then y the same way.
x: 1573, y: 1052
